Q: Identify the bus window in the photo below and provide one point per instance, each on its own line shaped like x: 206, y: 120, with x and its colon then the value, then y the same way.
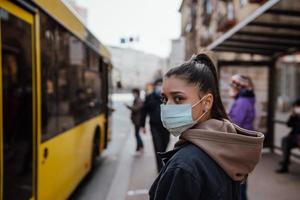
x: 17, y: 107
x: 78, y: 62
x: 93, y: 83
x: 64, y: 81
x: 71, y: 80
x: 49, y: 78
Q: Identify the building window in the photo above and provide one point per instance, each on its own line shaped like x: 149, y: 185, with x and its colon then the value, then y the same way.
x: 243, y: 3
x: 288, y: 85
x: 230, y: 11
x: 207, y: 12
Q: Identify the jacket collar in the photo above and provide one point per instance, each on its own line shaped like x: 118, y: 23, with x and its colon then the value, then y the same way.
x: 166, y: 156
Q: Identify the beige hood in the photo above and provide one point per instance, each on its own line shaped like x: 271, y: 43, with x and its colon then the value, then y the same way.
x: 235, y: 149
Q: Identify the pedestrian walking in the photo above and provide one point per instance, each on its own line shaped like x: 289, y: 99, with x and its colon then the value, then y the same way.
x: 292, y: 140
x: 136, y: 108
x: 242, y: 112
x: 212, y: 155
x: 160, y: 135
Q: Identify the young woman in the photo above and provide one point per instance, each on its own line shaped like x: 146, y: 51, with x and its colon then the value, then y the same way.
x: 213, y: 156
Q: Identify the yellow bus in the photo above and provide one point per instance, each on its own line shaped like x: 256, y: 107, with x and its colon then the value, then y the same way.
x: 54, y: 79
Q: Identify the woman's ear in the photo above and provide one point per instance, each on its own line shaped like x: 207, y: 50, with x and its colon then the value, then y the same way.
x: 209, y: 101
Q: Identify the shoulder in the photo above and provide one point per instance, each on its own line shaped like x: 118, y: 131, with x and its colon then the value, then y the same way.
x: 139, y: 100
x: 192, y: 171
x: 294, y: 117
x: 244, y: 101
x: 176, y: 181
x: 149, y: 96
x: 190, y: 159
x: 193, y: 160
x: 189, y: 153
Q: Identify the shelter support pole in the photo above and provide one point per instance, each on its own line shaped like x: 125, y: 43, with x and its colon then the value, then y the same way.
x: 269, y: 137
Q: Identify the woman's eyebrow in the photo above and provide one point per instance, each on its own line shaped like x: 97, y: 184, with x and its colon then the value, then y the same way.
x: 176, y: 92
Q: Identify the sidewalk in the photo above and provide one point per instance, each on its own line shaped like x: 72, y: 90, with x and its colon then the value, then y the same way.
x: 143, y: 173
x: 265, y: 184
x: 135, y: 174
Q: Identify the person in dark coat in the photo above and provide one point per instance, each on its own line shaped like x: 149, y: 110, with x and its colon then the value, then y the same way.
x: 213, y: 155
x: 242, y: 112
x: 160, y: 135
x: 136, y: 118
x: 292, y: 140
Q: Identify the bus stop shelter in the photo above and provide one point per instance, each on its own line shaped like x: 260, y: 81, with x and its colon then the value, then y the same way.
x: 271, y: 31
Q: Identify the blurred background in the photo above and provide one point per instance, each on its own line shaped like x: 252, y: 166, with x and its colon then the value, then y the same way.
x: 68, y: 68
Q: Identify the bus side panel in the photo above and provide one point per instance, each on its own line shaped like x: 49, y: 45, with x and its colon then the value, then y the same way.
x: 66, y: 159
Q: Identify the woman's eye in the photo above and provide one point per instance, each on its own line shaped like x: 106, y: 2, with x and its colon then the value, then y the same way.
x: 177, y: 99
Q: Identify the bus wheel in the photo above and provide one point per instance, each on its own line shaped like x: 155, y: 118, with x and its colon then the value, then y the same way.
x: 95, y: 148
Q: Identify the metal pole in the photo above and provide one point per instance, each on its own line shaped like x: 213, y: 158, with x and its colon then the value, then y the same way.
x: 269, y: 140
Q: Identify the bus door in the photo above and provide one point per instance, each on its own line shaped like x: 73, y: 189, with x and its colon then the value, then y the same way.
x: 16, y: 103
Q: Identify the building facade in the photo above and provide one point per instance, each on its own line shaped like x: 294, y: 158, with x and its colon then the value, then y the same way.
x: 177, y: 54
x: 135, y: 69
x: 203, y: 21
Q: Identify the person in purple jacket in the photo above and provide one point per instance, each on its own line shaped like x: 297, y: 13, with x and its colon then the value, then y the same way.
x: 242, y: 111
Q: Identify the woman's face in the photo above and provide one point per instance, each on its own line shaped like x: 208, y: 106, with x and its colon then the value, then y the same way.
x: 233, y: 92
x: 178, y: 91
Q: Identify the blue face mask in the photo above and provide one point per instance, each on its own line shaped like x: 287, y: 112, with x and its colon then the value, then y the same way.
x: 157, y: 89
x: 177, y: 118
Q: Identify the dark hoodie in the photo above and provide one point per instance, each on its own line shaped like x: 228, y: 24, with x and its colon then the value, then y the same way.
x: 208, y: 163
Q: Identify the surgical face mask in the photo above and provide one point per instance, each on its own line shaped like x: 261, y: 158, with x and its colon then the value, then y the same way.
x: 177, y: 118
x: 157, y: 89
x: 297, y: 110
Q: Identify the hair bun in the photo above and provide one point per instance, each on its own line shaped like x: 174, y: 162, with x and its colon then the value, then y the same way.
x: 209, y: 59
x: 208, y: 55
